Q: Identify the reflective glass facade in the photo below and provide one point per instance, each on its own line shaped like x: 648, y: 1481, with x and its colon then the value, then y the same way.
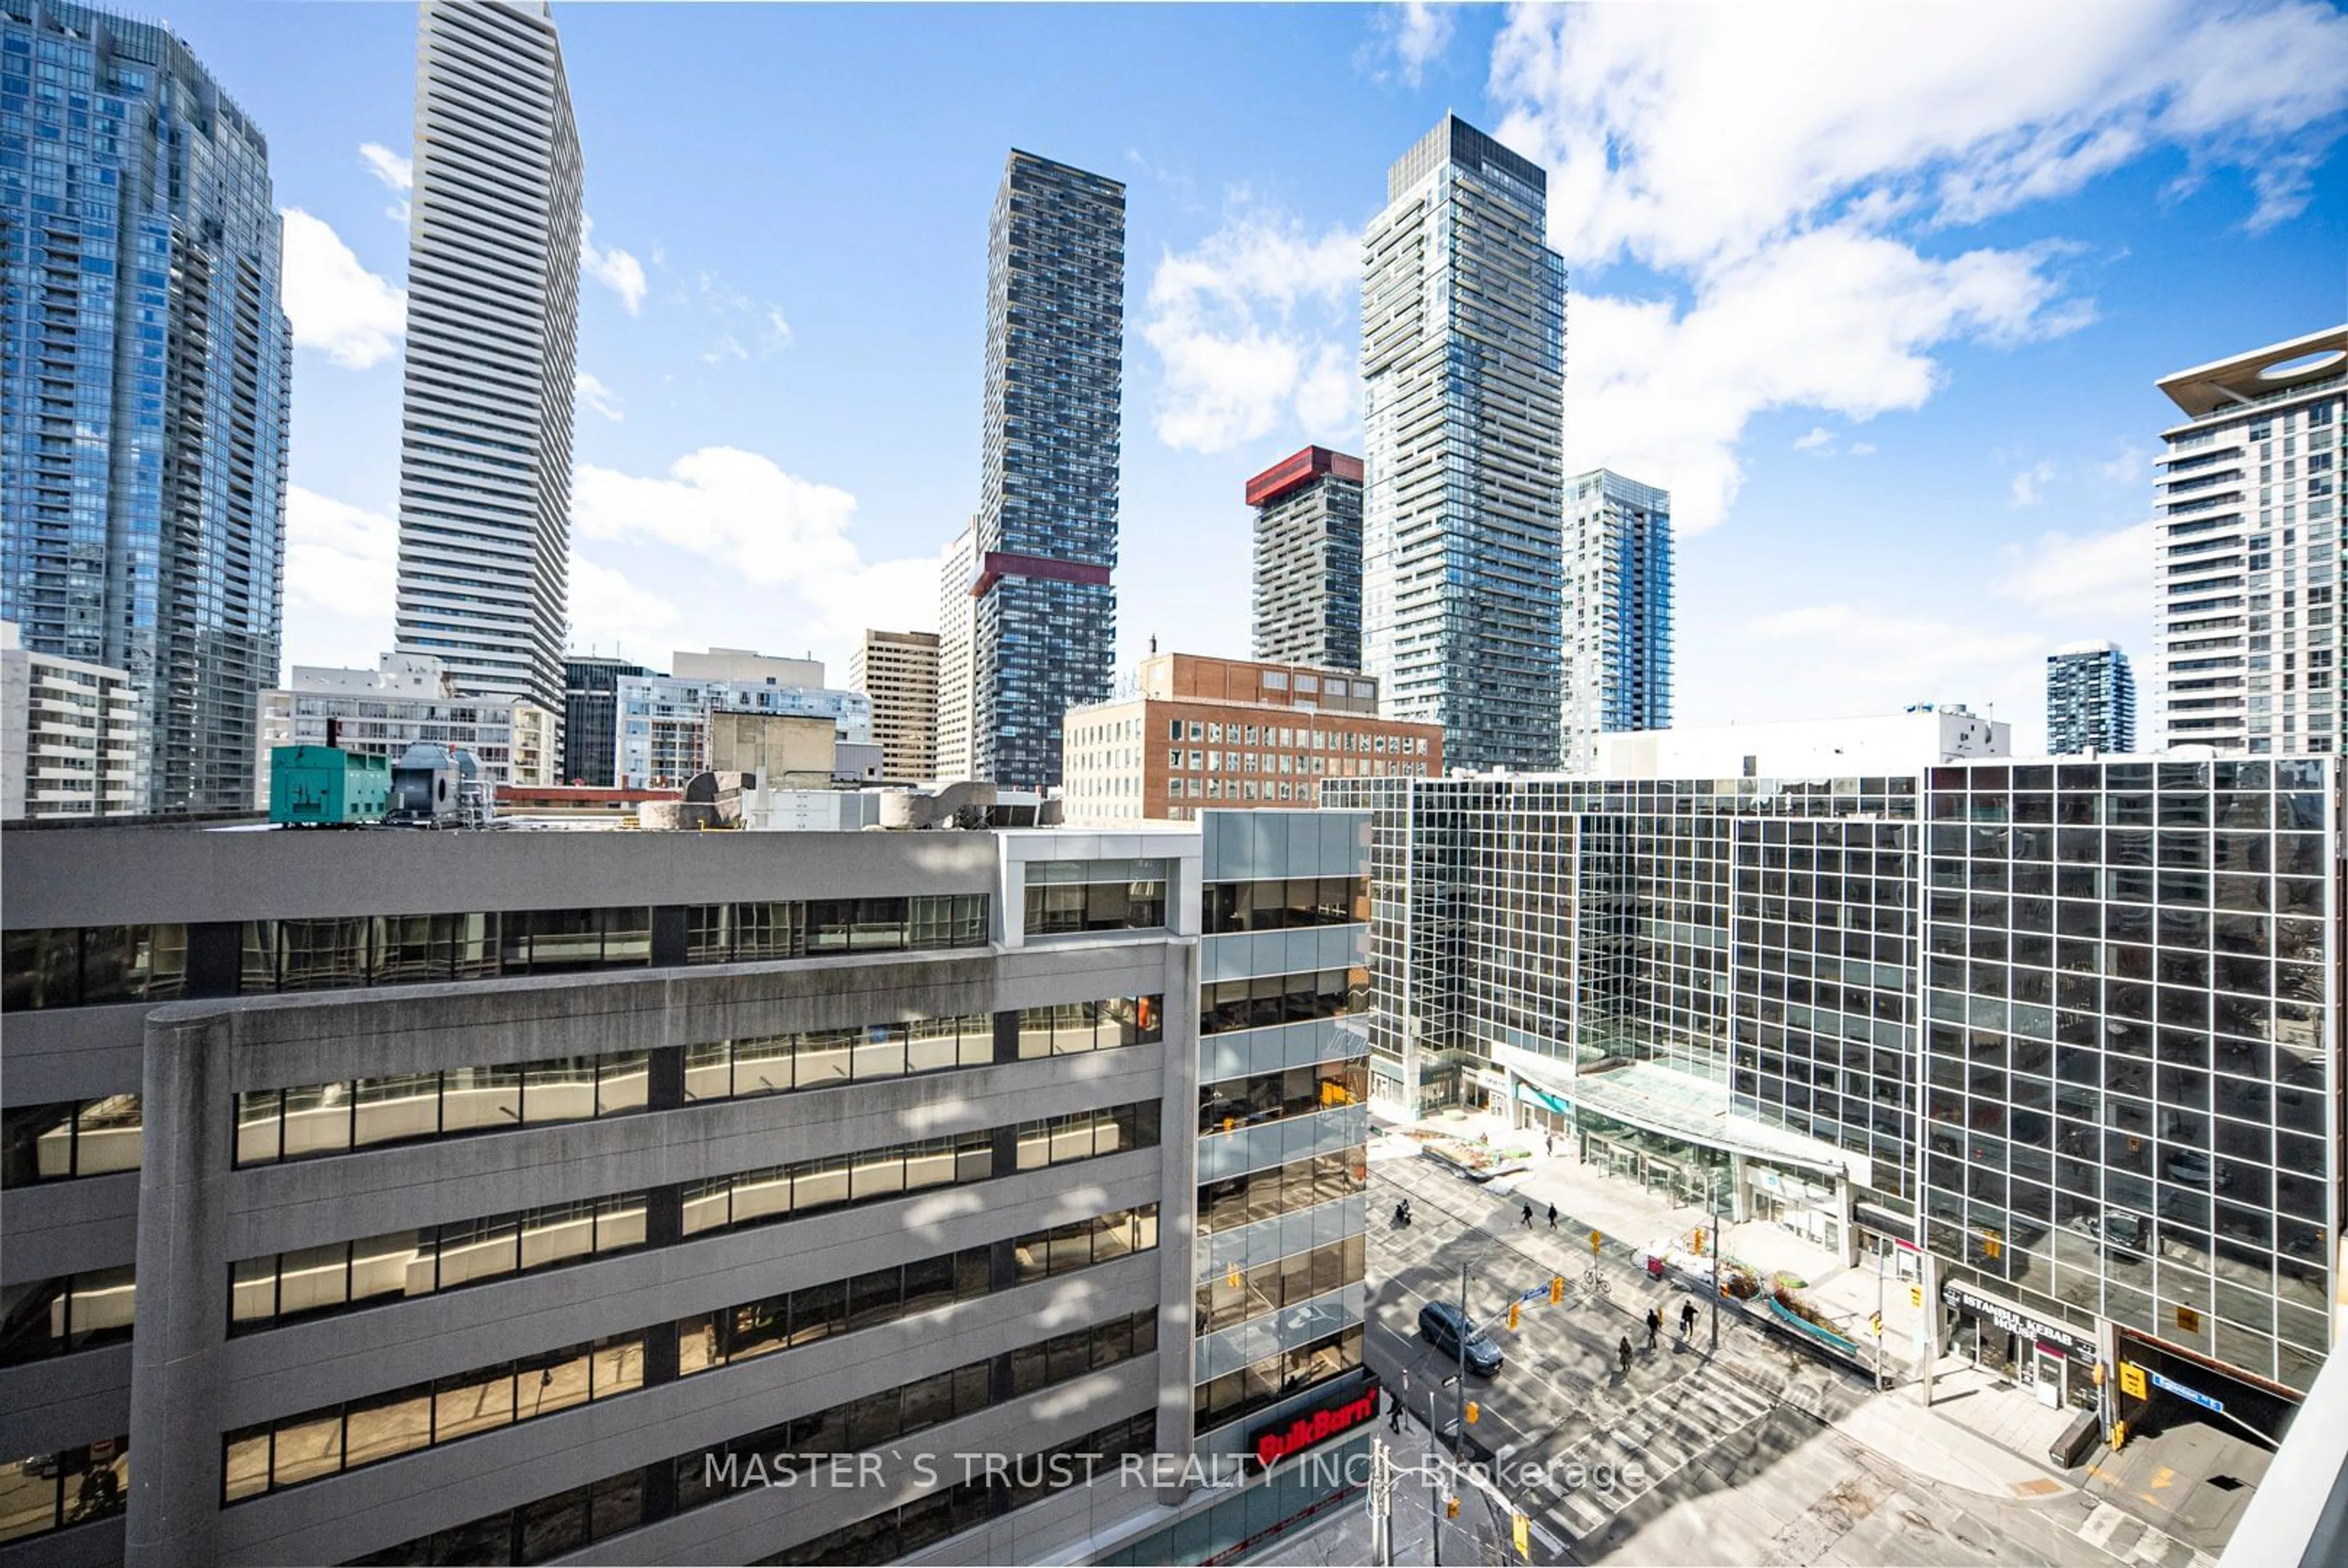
x: 145, y: 381
x: 590, y: 705
x: 1617, y: 596
x: 1045, y: 619
x: 1463, y: 370
x: 2076, y: 1023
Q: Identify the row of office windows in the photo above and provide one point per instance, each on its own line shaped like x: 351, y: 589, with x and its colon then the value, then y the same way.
x: 316, y: 1443
x: 551, y: 1527
x: 274, y: 1289
x: 1263, y: 1383
x: 1294, y: 903
x: 69, y: 1138
x: 1060, y: 908
x: 1280, y: 1284
x: 1236, y: 1102
x: 50, y: 1316
x: 88, y: 966
x: 50, y: 1491
x: 1268, y: 999
x: 306, y: 1121
x: 895, y: 1533
x: 1236, y: 1201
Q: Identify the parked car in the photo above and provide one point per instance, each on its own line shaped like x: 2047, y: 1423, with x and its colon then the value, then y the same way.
x: 1443, y: 1326
x: 2118, y: 1233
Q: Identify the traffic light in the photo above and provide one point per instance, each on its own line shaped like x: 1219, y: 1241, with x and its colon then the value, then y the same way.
x: 1232, y: 1278
x: 1698, y: 1239
x: 1474, y: 1411
x: 1556, y: 1289
x: 1875, y: 1322
x: 1513, y: 1308
x: 1450, y: 1508
x: 1596, y: 1241
x: 1521, y: 1528
x: 1916, y: 1296
x: 1992, y: 1245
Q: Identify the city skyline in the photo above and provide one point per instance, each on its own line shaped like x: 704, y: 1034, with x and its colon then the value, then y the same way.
x: 1998, y: 315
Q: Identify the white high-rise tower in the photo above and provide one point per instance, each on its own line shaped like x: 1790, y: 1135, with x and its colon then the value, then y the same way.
x: 957, y: 757
x: 492, y: 319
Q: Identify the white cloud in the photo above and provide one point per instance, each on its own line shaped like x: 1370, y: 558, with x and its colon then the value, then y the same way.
x: 1253, y: 327
x: 2128, y: 467
x: 395, y: 170
x: 2030, y: 484
x: 1418, y: 33
x: 1678, y: 134
x: 611, y: 613
x: 2082, y: 577
x: 1780, y: 168
x: 1820, y: 440
x: 338, y: 557
x: 746, y: 325
x: 336, y: 305
x: 1838, y: 320
x: 615, y: 269
x: 1862, y: 449
x: 1880, y: 659
x: 591, y: 391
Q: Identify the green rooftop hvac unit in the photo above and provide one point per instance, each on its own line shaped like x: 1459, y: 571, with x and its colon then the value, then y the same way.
x: 327, y: 784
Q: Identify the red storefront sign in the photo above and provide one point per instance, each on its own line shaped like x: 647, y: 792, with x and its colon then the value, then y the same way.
x: 1294, y: 1435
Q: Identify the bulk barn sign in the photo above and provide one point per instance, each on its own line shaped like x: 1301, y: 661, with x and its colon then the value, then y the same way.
x: 1295, y: 1434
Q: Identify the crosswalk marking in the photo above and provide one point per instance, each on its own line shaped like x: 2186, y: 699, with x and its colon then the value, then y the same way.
x: 2153, y: 1548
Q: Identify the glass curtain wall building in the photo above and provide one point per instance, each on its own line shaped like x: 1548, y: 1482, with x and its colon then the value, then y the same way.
x: 1463, y: 370
x: 591, y: 709
x: 146, y: 380
x: 2072, y: 1026
x: 2246, y: 635
x: 1044, y: 626
x: 1617, y: 602
x: 492, y: 322
x: 2090, y: 698
x: 1308, y: 559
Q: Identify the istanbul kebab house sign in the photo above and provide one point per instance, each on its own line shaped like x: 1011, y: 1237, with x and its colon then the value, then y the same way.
x: 1296, y: 1433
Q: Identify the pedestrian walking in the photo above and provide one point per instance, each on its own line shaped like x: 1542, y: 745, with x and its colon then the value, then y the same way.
x: 1687, y: 1319
x: 1528, y: 1216
x: 1393, y: 1411
x: 1552, y: 1217
x: 1550, y: 1139
x: 1654, y: 1327
x: 1622, y: 1354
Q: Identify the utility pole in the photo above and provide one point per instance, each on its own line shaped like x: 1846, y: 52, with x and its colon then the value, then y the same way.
x: 1879, y: 1314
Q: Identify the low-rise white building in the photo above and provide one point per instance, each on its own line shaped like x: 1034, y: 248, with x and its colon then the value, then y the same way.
x: 662, y: 735
x: 406, y: 698
x: 1926, y: 733
x: 70, y: 736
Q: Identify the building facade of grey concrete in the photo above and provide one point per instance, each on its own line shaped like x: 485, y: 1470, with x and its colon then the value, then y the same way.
x: 613, y: 1197
x: 70, y: 736
x: 2072, y: 1026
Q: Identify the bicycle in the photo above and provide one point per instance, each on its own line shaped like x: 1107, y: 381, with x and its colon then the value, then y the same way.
x: 1595, y: 1283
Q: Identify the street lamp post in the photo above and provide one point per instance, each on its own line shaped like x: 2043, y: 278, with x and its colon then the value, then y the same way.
x: 1719, y: 1263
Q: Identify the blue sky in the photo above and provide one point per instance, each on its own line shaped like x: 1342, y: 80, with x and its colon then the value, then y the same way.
x: 1879, y: 294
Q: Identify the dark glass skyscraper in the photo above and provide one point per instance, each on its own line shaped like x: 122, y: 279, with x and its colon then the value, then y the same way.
x: 145, y: 371
x: 1047, y: 612
x: 591, y: 716
x: 1308, y: 559
x: 2090, y: 698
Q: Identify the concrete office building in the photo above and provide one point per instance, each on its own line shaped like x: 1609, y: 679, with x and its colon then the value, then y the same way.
x: 1463, y: 372
x: 1308, y: 559
x: 898, y: 670
x: 2070, y: 1026
x: 493, y: 236
x: 147, y: 372
x: 70, y: 736
x: 662, y: 730
x: 493, y: 1190
x: 2090, y: 698
x: 1202, y: 734
x: 405, y: 699
x: 1617, y: 613
x: 1044, y: 613
x: 957, y: 632
x: 2246, y: 629
x: 591, y: 716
